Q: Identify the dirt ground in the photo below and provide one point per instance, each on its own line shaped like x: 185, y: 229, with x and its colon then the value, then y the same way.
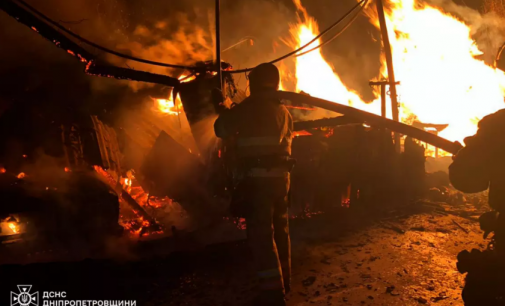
x: 405, y: 256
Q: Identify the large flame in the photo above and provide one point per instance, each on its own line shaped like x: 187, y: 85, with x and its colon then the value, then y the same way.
x: 169, y: 106
x: 313, y: 74
x: 434, y: 56
x: 442, y: 81
x: 13, y: 228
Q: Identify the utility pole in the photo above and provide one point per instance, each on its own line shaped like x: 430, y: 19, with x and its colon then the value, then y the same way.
x: 218, y: 42
x: 382, y: 85
x: 383, y: 100
x: 391, y: 73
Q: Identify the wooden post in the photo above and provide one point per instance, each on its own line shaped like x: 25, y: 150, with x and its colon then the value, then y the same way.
x: 391, y: 73
x: 383, y: 100
x: 218, y: 42
x: 383, y: 85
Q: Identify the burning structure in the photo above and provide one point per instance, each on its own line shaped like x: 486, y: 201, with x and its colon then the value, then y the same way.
x: 194, y: 94
x: 344, y: 146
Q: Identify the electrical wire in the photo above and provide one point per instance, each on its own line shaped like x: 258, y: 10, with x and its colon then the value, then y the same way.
x: 243, y: 40
x: 59, y: 26
x: 338, y: 33
x: 104, y: 49
x: 310, y: 42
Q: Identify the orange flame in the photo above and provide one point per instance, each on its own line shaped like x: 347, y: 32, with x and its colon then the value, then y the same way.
x: 442, y: 80
x: 434, y: 56
x: 135, y: 223
x: 13, y: 228
x: 314, y: 75
x: 169, y: 106
x: 21, y: 175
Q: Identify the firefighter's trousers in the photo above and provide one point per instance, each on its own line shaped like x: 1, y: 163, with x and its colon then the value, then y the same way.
x: 268, y: 232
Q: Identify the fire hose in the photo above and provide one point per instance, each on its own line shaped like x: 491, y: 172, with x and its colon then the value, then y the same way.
x: 373, y: 120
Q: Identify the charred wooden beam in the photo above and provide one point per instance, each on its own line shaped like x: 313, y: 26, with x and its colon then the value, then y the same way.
x: 46, y: 31
x: 311, y: 124
x: 136, y: 207
x: 130, y: 74
x: 374, y: 120
x: 116, y: 186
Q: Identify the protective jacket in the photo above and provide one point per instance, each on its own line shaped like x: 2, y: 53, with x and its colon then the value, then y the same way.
x: 261, y: 124
x: 263, y: 128
x: 481, y: 163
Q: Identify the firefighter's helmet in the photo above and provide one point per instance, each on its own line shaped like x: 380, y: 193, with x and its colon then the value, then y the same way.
x: 265, y: 76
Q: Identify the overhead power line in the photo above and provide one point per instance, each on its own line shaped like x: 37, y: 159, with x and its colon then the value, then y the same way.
x: 338, y: 33
x: 359, y: 4
x: 99, y: 47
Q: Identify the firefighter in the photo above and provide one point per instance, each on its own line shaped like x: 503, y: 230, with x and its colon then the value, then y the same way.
x: 481, y: 165
x: 262, y: 129
x: 478, y: 166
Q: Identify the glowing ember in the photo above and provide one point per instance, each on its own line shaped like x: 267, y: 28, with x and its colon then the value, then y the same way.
x: 67, y: 169
x: 131, y: 219
x: 2, y: 170
x: 301, y: 133
x: 21, y: 175
x: 127, y: 182
x: 240, y: 223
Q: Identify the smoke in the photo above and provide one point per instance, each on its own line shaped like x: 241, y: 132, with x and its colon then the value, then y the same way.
x: 187, y: 44
x: 487, y: 29
x: 206, y: 138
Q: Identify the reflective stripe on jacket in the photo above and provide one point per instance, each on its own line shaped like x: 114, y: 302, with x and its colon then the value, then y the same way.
x: 261, y: 146
x: 261, y: 124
